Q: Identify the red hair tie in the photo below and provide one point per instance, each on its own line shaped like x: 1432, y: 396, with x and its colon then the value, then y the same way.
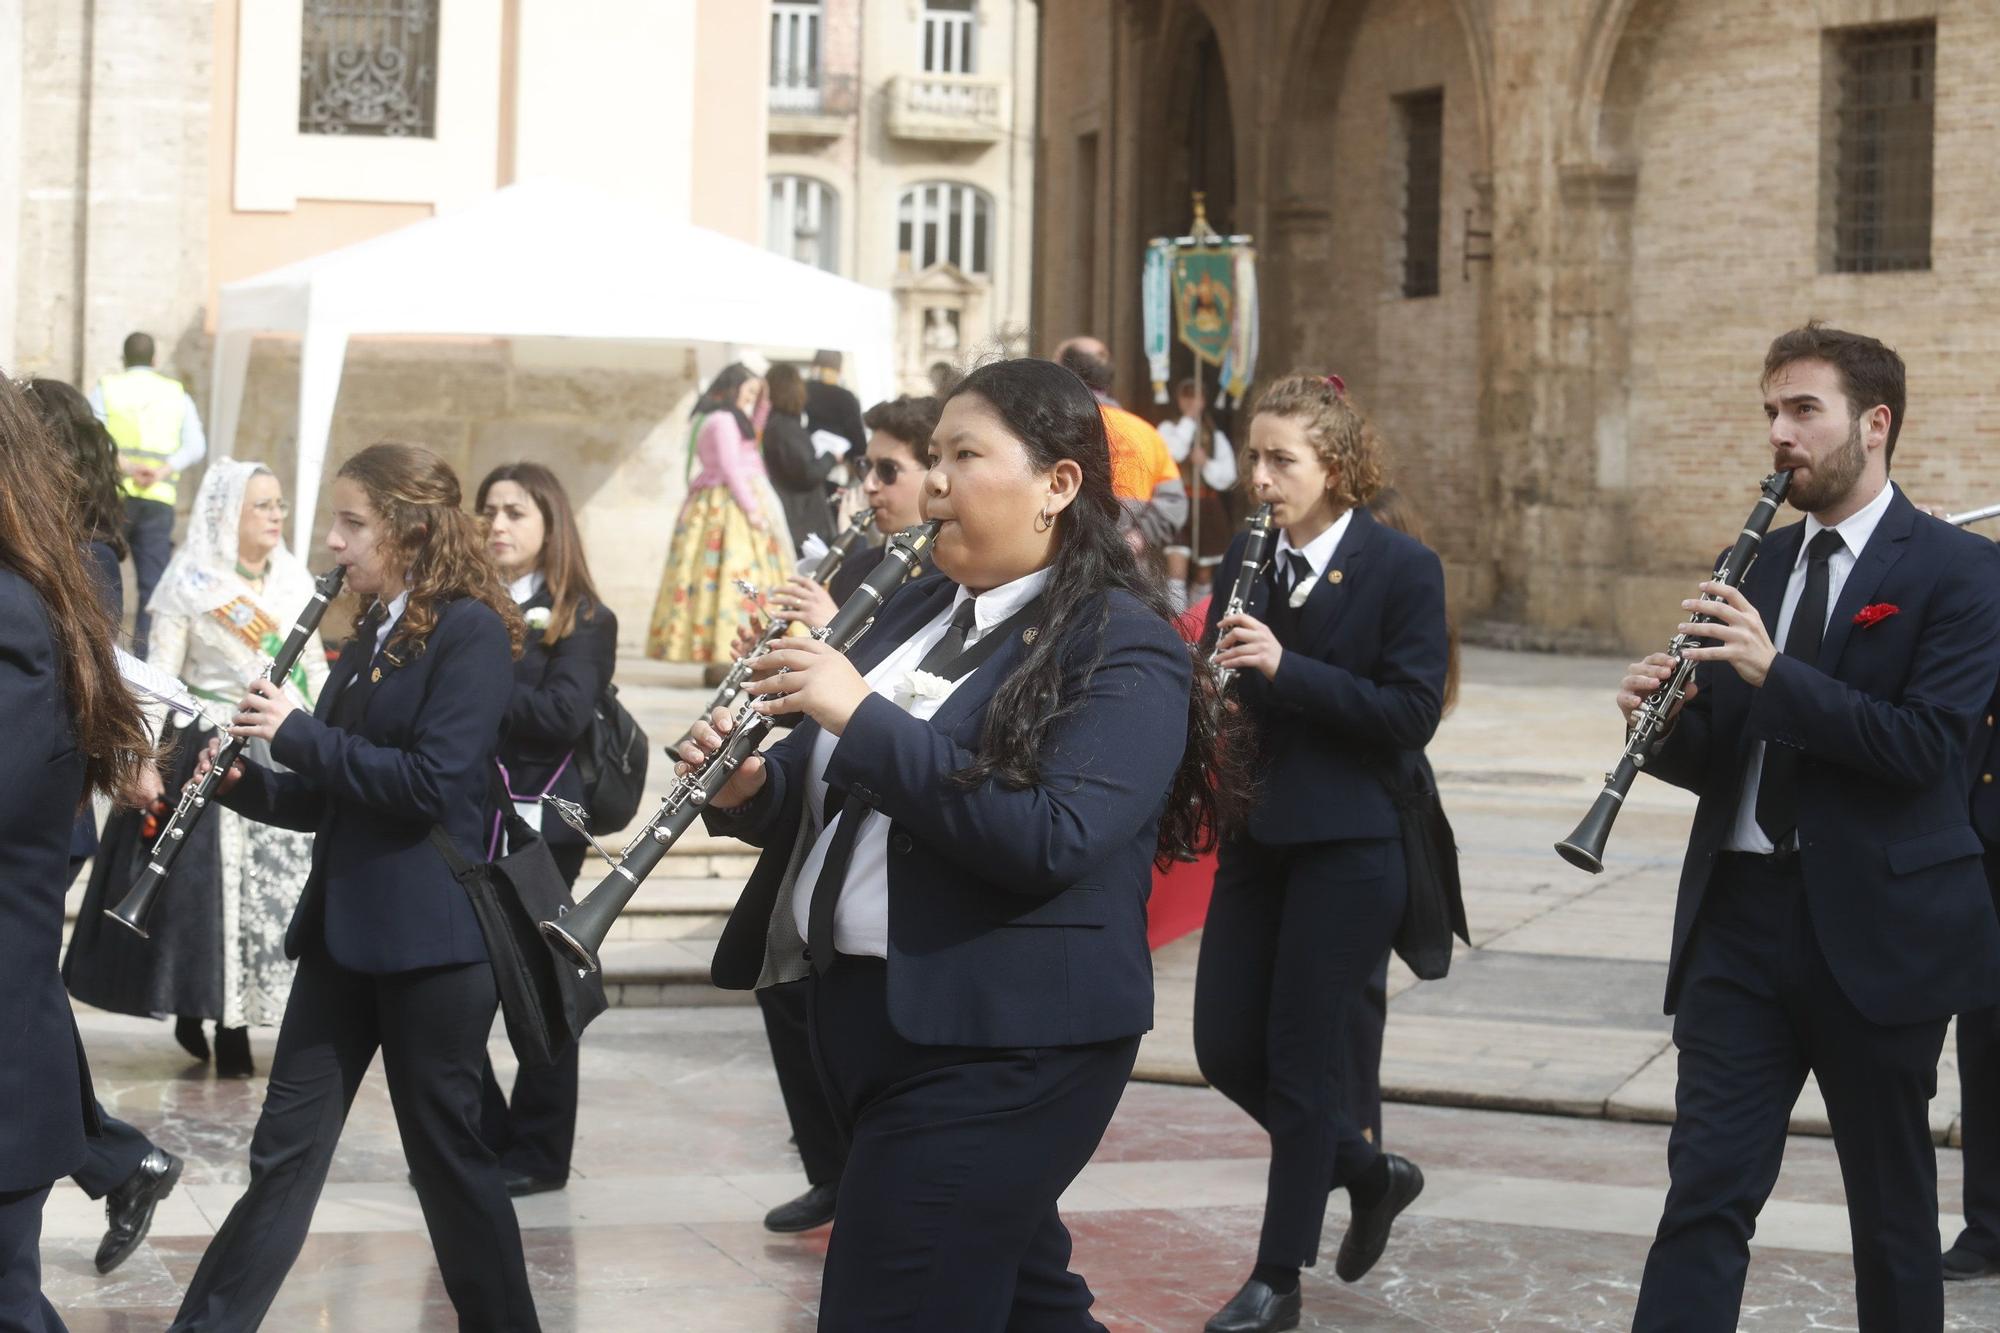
x: 1339, y: 385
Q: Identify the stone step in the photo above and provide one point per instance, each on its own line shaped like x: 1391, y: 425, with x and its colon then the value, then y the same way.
x: 655, y: 973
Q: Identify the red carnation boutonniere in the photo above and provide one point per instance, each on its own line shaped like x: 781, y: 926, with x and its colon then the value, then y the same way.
x: 1878, y: 611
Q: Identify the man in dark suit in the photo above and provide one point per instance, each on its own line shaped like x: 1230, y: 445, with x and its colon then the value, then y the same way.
x: 829, y: 406
x: 1976, y: 1252
x: 1832, y: 912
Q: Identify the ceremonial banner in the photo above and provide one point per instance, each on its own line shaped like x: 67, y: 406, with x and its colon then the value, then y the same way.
x: 1155, y: 298
x: 1204, y: 300
x: 1239, y: 362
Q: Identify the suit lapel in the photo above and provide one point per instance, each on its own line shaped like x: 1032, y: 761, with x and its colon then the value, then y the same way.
x: 924, y: 601
x: 983, y: 684
x: 1329, y: 598
x: 345, y: 668
x: 1773, y: 570
x: 1884, y: 549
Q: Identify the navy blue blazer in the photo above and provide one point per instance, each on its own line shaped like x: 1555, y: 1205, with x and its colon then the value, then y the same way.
x: 556, y: 687
x: 1359, y: 689
x: 1893, y: 882
x: 43, y: 1082
x: 1016, y: 917
x: 379, y: 893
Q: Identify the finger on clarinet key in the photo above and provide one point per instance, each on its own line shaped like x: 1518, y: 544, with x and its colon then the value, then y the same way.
x: 722, y: 721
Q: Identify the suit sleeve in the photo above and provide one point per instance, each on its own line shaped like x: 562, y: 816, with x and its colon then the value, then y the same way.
x: 1398, y: 707
x: 456, y: 729
x: 30, y: 690
x: 282, y: 800
x: 1682, y: 758
x: 557, y: 711
x: 1104, y: 770
x: 791, y: 460
x: 1914, y: 741
x: 777, y: 806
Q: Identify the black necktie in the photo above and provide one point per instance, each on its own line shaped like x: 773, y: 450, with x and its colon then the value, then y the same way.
x: 1778, y: 785
x: 353, y: 698
x: 1297, y: 570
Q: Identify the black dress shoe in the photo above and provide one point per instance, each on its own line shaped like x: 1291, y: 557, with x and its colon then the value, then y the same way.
x: 1368, y: 1232
x: 128, y: 1210
x: 1256, y: 1309
x: 812, y: 1209
x: 232, y: 1053
x: 1963, y: 1265
x: 187, y: 1031
x: 520, y: 1184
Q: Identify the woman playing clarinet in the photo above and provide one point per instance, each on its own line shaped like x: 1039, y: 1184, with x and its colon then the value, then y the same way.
x: 1340, y: 664
x: 390, y: 956
x: 973, y: 806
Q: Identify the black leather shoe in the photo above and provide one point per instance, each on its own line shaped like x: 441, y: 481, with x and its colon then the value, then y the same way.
x: 1368, y: 1232
x: 1963, y: 1265
x: 812, y: 1209
x: 128, y: 1210
x: 232, y: 1053
x: 1256, y: 1309
x: 522, y: 1184
x: 187, y: 1031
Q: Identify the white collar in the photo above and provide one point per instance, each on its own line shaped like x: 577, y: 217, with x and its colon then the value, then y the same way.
x: 395, y: 614
x: 1855, y: 529
x: 1319, y: 551
x: 525, y: 587
x: 994, y: 605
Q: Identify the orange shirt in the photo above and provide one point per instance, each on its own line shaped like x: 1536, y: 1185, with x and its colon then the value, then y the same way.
x: 1139, y: 457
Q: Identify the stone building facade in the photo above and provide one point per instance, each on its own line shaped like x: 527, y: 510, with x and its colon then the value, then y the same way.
x: 1554, y: 290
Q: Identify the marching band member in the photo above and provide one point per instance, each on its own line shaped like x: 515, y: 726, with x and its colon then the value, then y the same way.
x: 1341, y: 659
x: 566, y: 661
x: 390, y: 955
x: 974, y: 805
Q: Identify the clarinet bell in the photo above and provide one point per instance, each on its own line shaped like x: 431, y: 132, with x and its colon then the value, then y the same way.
x: 137, y: 905
x: 1584, y: 847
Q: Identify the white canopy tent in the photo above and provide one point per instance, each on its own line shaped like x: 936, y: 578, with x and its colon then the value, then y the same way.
x: 542, y: 259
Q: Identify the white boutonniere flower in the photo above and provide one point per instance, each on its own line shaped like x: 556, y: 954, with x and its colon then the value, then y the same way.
x: 1300, y: 593
x: 919, y: 685
x: 537, y: 618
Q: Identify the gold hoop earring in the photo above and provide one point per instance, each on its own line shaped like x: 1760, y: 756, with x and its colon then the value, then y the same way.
x: 1043, y: 521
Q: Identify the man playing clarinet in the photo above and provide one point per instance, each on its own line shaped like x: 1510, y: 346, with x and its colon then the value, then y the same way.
x: 1833, y: 913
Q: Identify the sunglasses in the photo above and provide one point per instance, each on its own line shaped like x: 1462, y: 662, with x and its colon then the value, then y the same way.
x: 886, y: 470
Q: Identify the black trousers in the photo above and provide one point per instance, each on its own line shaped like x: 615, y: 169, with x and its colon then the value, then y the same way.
x: 431, y: 1027
x: 1361, y: 1058
x: 1979, y: 1114
x: 23, y: 1308
x: 787, y: 1026
x: 1758, y: 1010
x: 534, y: 1132
x: 114, y: 1156
x: 958, y: 1154
x: 149, y: 531
x: 1293, y: 937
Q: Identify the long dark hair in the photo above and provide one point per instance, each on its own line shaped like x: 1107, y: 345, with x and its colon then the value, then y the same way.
x: 572, y: 595
x: 38, y: 542
x: 720, y: 395
x: 1055, y: 417
x: 93, y: 456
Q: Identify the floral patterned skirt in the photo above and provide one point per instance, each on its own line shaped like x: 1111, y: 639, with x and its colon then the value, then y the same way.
x: 700, y: 606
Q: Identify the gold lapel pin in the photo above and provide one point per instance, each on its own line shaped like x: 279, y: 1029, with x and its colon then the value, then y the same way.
x: 1028, y: 634
x: 375, y: 675
x: 1333, y: 576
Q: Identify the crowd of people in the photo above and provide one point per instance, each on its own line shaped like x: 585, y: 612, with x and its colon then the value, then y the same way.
x: 959, y: 831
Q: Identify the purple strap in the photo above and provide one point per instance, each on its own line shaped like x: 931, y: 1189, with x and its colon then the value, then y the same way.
x: 507, y: 784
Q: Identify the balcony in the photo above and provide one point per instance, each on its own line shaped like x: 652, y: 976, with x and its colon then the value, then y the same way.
x: 823, y: 110
x: 947, y: 108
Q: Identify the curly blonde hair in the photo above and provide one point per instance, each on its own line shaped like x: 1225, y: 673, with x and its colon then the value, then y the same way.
x: 415, y: 493
x: 1338, y: 431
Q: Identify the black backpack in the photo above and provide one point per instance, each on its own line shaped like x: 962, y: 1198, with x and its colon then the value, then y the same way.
x: 611, y: 761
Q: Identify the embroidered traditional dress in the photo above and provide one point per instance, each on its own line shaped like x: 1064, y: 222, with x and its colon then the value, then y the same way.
x: 218, y: 931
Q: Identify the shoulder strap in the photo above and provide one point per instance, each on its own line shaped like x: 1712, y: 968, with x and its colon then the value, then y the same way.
x: 460, y: 867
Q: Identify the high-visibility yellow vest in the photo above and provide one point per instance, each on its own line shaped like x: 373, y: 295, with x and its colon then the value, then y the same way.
x: 143, y: 410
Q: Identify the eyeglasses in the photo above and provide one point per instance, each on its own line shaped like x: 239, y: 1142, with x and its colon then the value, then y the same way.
x: 273, y: 508
x: 886, y: 470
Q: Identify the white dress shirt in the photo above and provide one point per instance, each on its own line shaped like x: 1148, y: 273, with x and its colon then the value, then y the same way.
x: 861, y: 917
x: 526, y: 586
x: 1220, y: 474
x: 1854, y: 530
x: 402, y: 600
x: 1318, y: 552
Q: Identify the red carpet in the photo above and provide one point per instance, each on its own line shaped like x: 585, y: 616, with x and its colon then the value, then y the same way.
x: 1180, y: 892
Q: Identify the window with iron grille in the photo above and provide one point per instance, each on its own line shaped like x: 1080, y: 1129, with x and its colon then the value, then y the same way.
x: 948, y: 28
x: 1422, y: 117
x: 804, y: 222
x: 943, y: 222
x: 795, y: 37
x: 1882, y: 126
x: 369, y: 67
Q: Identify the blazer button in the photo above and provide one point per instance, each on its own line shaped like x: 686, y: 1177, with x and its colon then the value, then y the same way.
x: 1986, y: 777
x: 901, y: 841
x: 1989, y: 719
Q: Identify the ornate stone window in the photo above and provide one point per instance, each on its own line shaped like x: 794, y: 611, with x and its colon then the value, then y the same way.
x: 1882, y: 142
x: 1422, y: 117
x: 804, y: 222
x: 945, y: 222
x: 369, y: 67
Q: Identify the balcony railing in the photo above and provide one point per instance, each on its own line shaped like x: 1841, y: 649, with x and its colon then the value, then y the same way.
x: 820, y: 110
x: 960, y: 107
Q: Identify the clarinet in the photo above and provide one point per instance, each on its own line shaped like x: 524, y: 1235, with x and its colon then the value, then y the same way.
x: 1255, y: 551
x: 578, y: 935
x: 739, y: 671
x: 1584, y: 847
x: 138, y: 904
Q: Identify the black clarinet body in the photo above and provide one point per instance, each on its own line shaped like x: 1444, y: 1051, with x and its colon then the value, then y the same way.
x: 1256, y: 553
x: 1584, y: 847
x: 137, y: 906
x: 578, y: 935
